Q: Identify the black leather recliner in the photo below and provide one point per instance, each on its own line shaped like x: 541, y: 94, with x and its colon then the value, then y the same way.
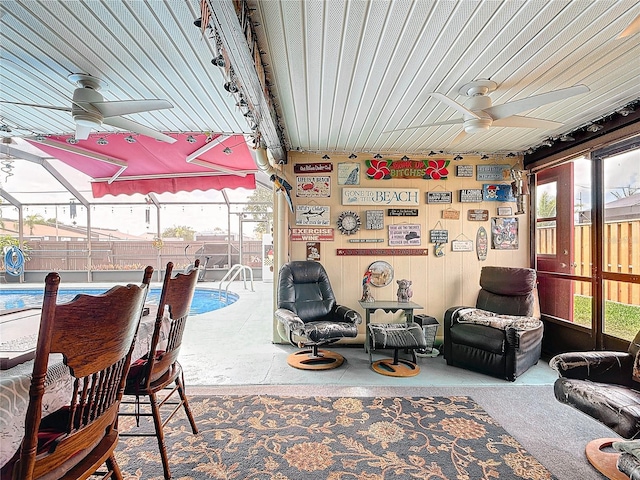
x: 308, y: 311
x: 502, y: 335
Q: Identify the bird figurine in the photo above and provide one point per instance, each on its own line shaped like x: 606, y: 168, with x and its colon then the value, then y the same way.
x: 284, y: 186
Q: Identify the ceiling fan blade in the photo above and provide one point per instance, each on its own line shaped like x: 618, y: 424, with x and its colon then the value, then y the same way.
x: 437, y: 124
x: 458, y: 138
x: 126, y: 107
x: 452, y: 103
x: 632, y: 29
x: 50, y: 107
x: 130, y: 125
x: 518, y: 106
x: 525, y: 122
x: 82, y: 131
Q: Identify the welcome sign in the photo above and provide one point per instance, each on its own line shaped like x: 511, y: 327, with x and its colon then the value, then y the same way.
x: 380, y: 196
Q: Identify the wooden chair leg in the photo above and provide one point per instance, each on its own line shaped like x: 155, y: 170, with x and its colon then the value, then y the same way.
x: 113, y: 467
x: 185, y: 403
x: 157, y: 421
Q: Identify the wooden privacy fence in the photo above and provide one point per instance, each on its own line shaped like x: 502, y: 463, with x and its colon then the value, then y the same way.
x: 621, y: 255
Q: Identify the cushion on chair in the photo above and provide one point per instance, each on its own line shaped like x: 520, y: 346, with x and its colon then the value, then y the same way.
x: 617, y: 406
x: 507, y: 290
x: 396, y: 335
x: 321, y: 331
x: 478, y: 316
x: 479, y: 337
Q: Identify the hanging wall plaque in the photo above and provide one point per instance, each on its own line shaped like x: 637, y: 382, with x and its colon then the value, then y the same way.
x: 493, y: 172
x: 471, y: 195
x: 349, y: 173
x: 438, y: 236
x: 451, y: 214
x: 307, y: 187
x: 404, y: 235
x: 461, y: 246
x: 316, y: 234
x: 482, y: 244
x: 374, y: 219
x: 504, y: 233
x: 498, y: 193
x: 320, y: 167
x: 438, y: 197
x: 464, y: 170
x: 313, y: 215
x: 380, y: 196
x: 313, y: 251
x: 477, y: 215
x: 402, y: 212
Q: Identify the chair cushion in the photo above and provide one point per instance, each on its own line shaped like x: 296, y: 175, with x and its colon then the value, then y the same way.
x: 137, y: 368
x: 502, y: 322
x: 322, y: 331
x: 479, y: 337
x: 508, y: 280
x: 617, y: 406
x: 396, y: 335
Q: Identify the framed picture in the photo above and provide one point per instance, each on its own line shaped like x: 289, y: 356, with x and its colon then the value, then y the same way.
x: 504, y: 233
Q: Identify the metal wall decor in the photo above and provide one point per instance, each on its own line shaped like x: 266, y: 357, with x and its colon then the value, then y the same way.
x: 498, y: 193
x: 313, y: 251
x: 380, y: 273
x: 504, y: 233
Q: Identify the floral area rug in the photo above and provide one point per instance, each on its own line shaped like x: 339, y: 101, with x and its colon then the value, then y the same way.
x: 264, y: 437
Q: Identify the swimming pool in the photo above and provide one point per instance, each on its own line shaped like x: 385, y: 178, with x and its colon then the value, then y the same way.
x: 204, y: 299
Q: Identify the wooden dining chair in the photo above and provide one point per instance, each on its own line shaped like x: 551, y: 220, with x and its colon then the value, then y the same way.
x: 159, y: 370
x: 95, y: 335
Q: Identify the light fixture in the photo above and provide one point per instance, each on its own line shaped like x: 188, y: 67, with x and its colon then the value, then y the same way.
x: 130, y: 139
x: 624, y: 111
x: 547, y: 143
x: 218, y: 61
x: 511, y: 155
x: 231, y: 87
x: 242, y: 103
x: 326, y: 157
x: 227, y: 151
x: 39, y: 138
x: 566, y: 138
x: 432, y: 153
x: 457, y: 158
x: 102, y: 141
x: 352, y: 156
x: 72, y: 140
x: 377, y: 156
x: 191, y: 139
x: 198, y: 22
x: 594, y: 127
x: 404, y: 158
x: 484, y: 157
x: 5, y: 128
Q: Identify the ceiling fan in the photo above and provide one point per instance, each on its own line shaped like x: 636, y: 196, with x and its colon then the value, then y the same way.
x: 478, y: 113
x: 89, y: 110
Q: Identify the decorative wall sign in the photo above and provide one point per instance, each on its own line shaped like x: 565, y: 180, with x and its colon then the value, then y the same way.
x: 462, y: 246
x: 313, y: 251
x: 348, y: 222
x: 498, y: 192
x: 374, y: 219
x: 493, y: 172
x: 476, y: 215
x: 505, y: 211
x: 349, y: 173
x: 402, y: 212
x: 464, y: 170
x: 404, y: 235
x: 387, y: 169
x: 346, y: 252
x: 365, y: 240
x: 471, y: 195
x: 313, y: 187
x: 504, y: 233
x: 438, y: 236
x: 301, y: 234
x: 380, y: 196
x: 319, y: 167
x: 482, y: 244
x: 438, y: 249
x: 451, y: 214
x: 439, y: 197
x: 313, y: 215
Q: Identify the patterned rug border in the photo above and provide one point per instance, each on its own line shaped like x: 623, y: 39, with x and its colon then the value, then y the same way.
x: 288, y: 437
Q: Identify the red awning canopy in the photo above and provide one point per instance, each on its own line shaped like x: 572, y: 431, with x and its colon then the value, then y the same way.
x: 195, y: 161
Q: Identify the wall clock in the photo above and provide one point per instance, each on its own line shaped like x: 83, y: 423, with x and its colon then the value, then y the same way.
x: 348, y: 222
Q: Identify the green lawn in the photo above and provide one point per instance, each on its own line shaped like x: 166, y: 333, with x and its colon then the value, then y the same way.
x: 621, y: 320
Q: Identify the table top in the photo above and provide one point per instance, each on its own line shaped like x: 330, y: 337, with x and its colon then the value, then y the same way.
x: 389, y: 305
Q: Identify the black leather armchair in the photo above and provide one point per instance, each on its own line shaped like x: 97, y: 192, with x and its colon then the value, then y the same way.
x: 502, y: 335
x: 606, y: 386
x: 308, y: 311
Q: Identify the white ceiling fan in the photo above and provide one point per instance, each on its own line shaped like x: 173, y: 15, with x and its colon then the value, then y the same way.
x: 89, y: 110
x: 478, y: 113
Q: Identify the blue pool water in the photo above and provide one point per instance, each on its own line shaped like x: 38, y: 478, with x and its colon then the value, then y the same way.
x: 204, y: 300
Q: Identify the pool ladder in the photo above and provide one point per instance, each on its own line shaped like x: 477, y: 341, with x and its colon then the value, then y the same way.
x: 233, y: 272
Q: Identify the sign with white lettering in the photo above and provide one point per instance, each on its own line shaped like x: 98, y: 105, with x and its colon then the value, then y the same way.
x: 462, y: 246
x: 380, y: 252
x: 312, y: 215
x: 471, y: 195
x: 321, y: 167
x: 313, y: 187
x: 464, y: 170
x: 438, y: 236
x: 402, y: 212
x: 493, y: 172
x: 380, y: 196
x: 374, y: 219
x: 439, y: 197
x: 311, y: 234
x: 478, y: 215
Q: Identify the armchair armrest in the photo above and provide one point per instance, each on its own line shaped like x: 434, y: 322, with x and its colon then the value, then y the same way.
x: 348, y: 315
x: 290, y: 321
x: 450, y: 317
x: 596, y: 366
